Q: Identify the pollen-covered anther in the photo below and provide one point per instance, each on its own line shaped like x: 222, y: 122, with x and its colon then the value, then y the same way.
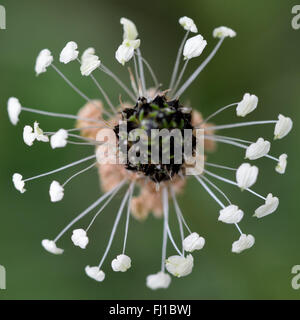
x: 124, y: 53
x: 246, y: 175
x: 231, y: 214
x: 43, y: 61
x: 223, y: 32
x: 247, y: 105
x: 80, y: 238
x: 31, y: 134
x: 51, y: 247
x: 188, y: 24
x: 95, y: 273
x: 14, y: 109
x: 121, y: 263
x: 193, y: 242
x: 282, y: 163
x: 19, y: 182
x: 129, y: 28
x: 194, y: 47
x: 69, y: 52
x: 56, y: 191
x: 258, y: 149
x: 180, y: 266
x: 283, y: 126
x: 244, y: 242
x: 159, y: 280
x: 59, y: 139
x: 89, y: 62
x: 271, y: 204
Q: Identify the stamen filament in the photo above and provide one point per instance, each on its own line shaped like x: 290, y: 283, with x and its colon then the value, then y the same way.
x: 141, y: 68
x: 101, y: 209
x: 180, y: 75
x: 198, y: 70
x: 219, y: 166
x: 61, y: 168
x: 70, y: 83
x: 204, y: 185
x: 82, y: 138
x: 217, y: 188
x: 120, y: 83
x: 240, y: 124
x: 104, y: 95
x: 137, y: 76
x: 84, y: 128
x: 177, y: 61
x: 82, y: 143
x: 115, y: 225
x: 233, y: 183
x: 164, y: 246
x: 178, y: 210
x: 67, y: 116
x: 233, y: 139
x: 166, y: 217
x: 219, y: 111
x: 154, y: 78
x: 86, y: 211
x: 78, y: 173
x: 179, y: 223
x: 133, y: 82
x: 127, y: 218
x: 209, y: 137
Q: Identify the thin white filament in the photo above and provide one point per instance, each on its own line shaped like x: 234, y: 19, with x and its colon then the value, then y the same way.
x: 217, y: 188
x: 82, y: 143
x: 66, y: 116
x: 133, y: 82
x: 219, y: 166
x: 152, y: 73
x: 127, y: 218
x: 137, y: 76
x: 179, y: 223
x: 180, y: 75
x: 177, y: 61
x: 101, y: 209
x: 233, y: 183
x: 70, y: 83
x: 78, y: 173
x: 61, y: 168
x: 233, y: 143
x: 117, y: 220
x: 141, y: 69
x: 104, y: 95
x: 198, y: 70
x: 204, y: 185
x: 86, y: 211
x: 219, y: 111
x: 178, y: 211
x: 119, y: 82
x: 84, y: 128
x: 232, y: 139
x: 241, y: 124
x: 166, y: 217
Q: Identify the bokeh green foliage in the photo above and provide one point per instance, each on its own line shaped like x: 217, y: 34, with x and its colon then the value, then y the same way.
x: 263, y: 59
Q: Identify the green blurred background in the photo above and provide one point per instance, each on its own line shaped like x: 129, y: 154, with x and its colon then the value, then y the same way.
x: 262, y: 59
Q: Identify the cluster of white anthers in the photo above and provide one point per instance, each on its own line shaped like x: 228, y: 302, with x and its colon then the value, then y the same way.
x: 246, y: 174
